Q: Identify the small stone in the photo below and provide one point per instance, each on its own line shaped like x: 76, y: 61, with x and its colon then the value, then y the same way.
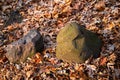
x: 76, y: 44
x: 25, y: 47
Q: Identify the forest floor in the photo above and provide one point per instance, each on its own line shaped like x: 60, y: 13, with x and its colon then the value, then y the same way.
x: 102, y: 17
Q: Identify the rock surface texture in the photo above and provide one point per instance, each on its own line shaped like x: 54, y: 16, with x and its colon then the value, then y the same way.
x: 76, y: 44
x: 25, y: 47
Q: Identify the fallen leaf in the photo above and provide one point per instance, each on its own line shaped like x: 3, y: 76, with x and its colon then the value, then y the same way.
x: 38, y: 58
x: 100, y: 5
x: 29, y: 73
x: 103, y: 61
x: 10, y: 28
x: 112, y: 57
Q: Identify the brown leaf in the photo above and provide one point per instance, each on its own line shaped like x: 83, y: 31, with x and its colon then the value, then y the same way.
x: 100, y: 6
x: 112, y: 57
x: 38, y: 58
x: 29, y: 73
x: 83, y: 76
x: 3, y: 59
x: 103, y: 61
x: 10, y: 28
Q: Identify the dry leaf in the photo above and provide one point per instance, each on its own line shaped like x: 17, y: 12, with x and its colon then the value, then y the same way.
x: 29, y: 73
x: 52, y: 60
x: 111, y: 25
x: 103, y: 61
x: 100, y: 5
x: 83, y: 76
x: 10, y: 28
x: 3, y: 59
x: 112, y: 57
x: 38, y: 58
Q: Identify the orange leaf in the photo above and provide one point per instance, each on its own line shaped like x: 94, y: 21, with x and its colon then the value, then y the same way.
x: 103, y: 61
x: 10, y: 28
x: 38, y: 58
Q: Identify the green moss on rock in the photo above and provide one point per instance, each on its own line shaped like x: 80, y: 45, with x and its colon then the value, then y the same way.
x: 76, y: 44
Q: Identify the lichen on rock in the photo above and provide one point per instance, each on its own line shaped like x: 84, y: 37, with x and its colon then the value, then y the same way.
x: 77, y: 44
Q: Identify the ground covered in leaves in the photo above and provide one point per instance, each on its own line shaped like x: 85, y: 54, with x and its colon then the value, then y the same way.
x: 102, y: 17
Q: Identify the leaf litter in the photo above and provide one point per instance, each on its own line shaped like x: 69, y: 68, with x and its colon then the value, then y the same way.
x: 49, y: 17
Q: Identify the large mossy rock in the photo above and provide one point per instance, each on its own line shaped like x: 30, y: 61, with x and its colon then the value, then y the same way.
x: 76, y: 44
x: 25, y: 47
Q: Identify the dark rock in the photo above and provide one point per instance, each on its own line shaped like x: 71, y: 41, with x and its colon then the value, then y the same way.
x: 27, y: 46
x: 76, y: 44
